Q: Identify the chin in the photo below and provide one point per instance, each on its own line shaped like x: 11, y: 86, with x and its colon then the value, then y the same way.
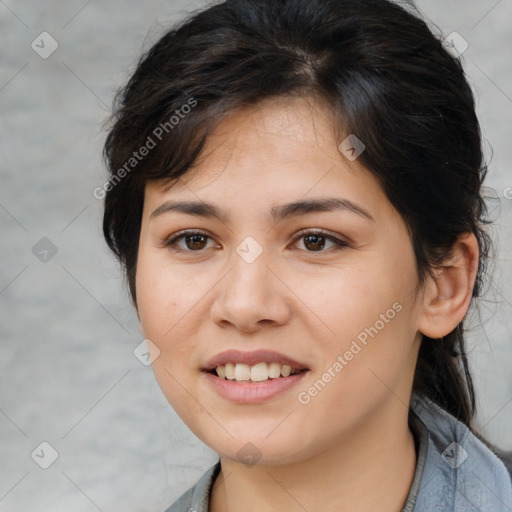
x: 254, y: 450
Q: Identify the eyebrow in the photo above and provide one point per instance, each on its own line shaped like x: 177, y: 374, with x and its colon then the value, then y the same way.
x: 277, y: 213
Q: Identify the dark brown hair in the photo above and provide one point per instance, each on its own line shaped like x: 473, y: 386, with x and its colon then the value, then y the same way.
x: 386, y: 77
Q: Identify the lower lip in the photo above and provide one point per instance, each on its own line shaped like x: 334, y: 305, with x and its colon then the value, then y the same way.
x: 253, y: 392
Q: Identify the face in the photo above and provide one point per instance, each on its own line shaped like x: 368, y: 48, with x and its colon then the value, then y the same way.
x: 326, y: 288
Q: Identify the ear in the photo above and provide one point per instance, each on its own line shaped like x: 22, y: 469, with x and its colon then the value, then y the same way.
x: 448, y: 294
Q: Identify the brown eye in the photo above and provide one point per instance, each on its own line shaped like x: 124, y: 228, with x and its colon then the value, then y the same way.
x: 314, y: 242
x: 193, y: 242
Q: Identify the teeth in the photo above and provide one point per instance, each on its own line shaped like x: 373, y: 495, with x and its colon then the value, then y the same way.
x: 274, y: 370
x: 286, y: 370
x: 259, y: 372
x: 221, y: 371
x: 229, y: 370
x: 242, y: 372
x: 255, y: 373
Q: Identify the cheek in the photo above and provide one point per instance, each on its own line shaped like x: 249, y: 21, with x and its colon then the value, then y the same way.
x: 350, y: 301
x: 165, y: 298
x: 368, y: 311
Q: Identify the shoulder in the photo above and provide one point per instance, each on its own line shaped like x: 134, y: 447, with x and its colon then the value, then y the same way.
x: 506, y: 458
x: 461, y: 472
x: 197, y: 498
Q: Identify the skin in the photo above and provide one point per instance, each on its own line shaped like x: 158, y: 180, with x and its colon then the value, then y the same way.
x: 350, y: 447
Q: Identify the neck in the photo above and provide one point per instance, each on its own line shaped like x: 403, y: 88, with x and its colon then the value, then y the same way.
x: 370, y: 469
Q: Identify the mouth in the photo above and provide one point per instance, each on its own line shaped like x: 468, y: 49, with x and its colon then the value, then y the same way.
x: 255, y: 366
x: 253, y: 378
x: 259, y: 372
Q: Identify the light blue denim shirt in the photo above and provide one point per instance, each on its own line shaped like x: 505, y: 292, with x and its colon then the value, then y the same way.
x: 455, y: 471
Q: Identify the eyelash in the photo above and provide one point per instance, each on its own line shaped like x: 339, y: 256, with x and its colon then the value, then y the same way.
x: 172, y: 242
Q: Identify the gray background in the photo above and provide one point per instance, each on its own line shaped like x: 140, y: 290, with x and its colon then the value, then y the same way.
x: 68, y: 375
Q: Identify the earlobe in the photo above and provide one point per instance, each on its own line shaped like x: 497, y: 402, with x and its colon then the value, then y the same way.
x: 448, y: 293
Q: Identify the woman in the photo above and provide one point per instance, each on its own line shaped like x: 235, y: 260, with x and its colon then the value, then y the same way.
x: 295, y: 199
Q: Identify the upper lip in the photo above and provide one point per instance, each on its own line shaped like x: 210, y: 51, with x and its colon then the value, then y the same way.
x: 251, y: 358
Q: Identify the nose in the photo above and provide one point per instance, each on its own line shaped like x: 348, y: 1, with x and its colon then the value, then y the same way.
x: 251, y: 296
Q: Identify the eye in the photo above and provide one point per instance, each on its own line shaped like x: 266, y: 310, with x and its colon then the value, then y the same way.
x: 195, y: 241
x: 315, y: 240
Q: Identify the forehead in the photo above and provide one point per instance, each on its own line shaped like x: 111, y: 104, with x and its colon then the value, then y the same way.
x: 277, y: 132
x: 284, y: 123
x: 280, y: 150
